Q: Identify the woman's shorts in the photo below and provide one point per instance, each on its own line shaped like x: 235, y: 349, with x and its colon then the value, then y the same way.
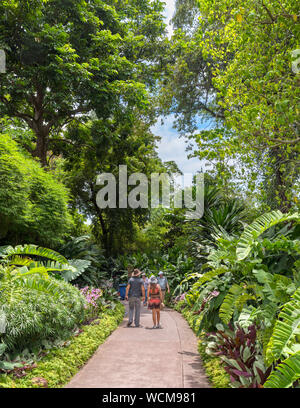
x: 154, y: 304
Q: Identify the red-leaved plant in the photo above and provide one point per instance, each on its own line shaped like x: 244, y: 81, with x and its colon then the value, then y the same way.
x: 241, y: 354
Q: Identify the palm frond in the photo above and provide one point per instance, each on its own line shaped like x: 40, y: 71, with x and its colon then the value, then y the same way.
x: 51, y: 286
x: 254, y: 230
x: 78, y: 267
x: 227, y: 307
x: 285, y: 374
x: 30, y: 250
x: 285, y: 328
x: 209, y: 276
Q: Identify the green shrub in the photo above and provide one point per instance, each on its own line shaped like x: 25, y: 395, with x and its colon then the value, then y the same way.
x: 193, y: 322
x: 180, y: 305
x: 61, y: 364
x: 35, y: 314
x: 33, y: 203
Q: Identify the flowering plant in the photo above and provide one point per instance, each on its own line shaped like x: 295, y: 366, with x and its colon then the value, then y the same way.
x: 210, y: 296
x: 182, y: 297
x: 93, y: 305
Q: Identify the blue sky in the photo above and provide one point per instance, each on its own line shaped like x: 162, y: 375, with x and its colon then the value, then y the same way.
x: 172, y: 147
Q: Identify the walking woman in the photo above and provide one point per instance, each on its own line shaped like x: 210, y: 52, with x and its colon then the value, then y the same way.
x: 154, y: 301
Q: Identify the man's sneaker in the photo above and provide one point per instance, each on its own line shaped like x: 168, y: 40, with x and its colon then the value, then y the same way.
x: 158, y: 326
x: 129, y: 324
x: 154, y: 327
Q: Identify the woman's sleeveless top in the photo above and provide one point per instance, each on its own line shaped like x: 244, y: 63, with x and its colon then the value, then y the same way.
x: 154, y: 294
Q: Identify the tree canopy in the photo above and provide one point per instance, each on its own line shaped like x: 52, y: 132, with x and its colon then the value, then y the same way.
x: 72, y: 58
x: 235, y: 67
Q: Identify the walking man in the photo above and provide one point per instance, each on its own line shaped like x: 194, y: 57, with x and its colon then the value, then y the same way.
x: 134, y: 290
x: 163, y: 283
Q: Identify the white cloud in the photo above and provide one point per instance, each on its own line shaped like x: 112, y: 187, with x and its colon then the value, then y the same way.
x: 173, y: 148
x: 169, y: 11
x: 169, y: 8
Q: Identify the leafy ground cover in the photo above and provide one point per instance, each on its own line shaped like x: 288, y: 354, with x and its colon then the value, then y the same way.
x: 56, y: 368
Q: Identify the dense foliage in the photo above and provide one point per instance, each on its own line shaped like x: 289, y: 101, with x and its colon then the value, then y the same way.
x: 76, y: 95
x: 33, y: 203
x: 85, y: 82
x: 70, y: 59
x: 38, y: 307
x: 56, y: 367
x: 250, y: 287
x: 84, y: 248
x: 232, y: 65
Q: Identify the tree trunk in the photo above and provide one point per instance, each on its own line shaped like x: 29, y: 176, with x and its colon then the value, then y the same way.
x: 279, y: 184
x: 39, y: 126
x: 105, y: 234
x: 284, y: 204
x: 42, y: 137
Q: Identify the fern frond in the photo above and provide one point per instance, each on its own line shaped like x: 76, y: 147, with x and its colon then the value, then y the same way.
x: 285, y: 373
x: 30, y: 249
x: 228, y: 305
x: 261, y: 224
x: 208, y: 276
x: 285, y: 328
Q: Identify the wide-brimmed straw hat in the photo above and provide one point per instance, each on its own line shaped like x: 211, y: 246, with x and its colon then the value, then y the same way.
x: 136, y: 272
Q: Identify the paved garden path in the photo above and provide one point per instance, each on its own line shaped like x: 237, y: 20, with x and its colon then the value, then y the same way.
x: 144, y: 358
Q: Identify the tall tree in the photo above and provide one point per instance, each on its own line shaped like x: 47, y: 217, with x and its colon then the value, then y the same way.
x: 94, y: 150
x: 247, y: 46
x: 71, y: 58
x: 187, y: 89
x: 258, y: 89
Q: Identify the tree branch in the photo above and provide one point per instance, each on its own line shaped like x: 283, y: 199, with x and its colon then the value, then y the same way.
x: 268, y: 11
